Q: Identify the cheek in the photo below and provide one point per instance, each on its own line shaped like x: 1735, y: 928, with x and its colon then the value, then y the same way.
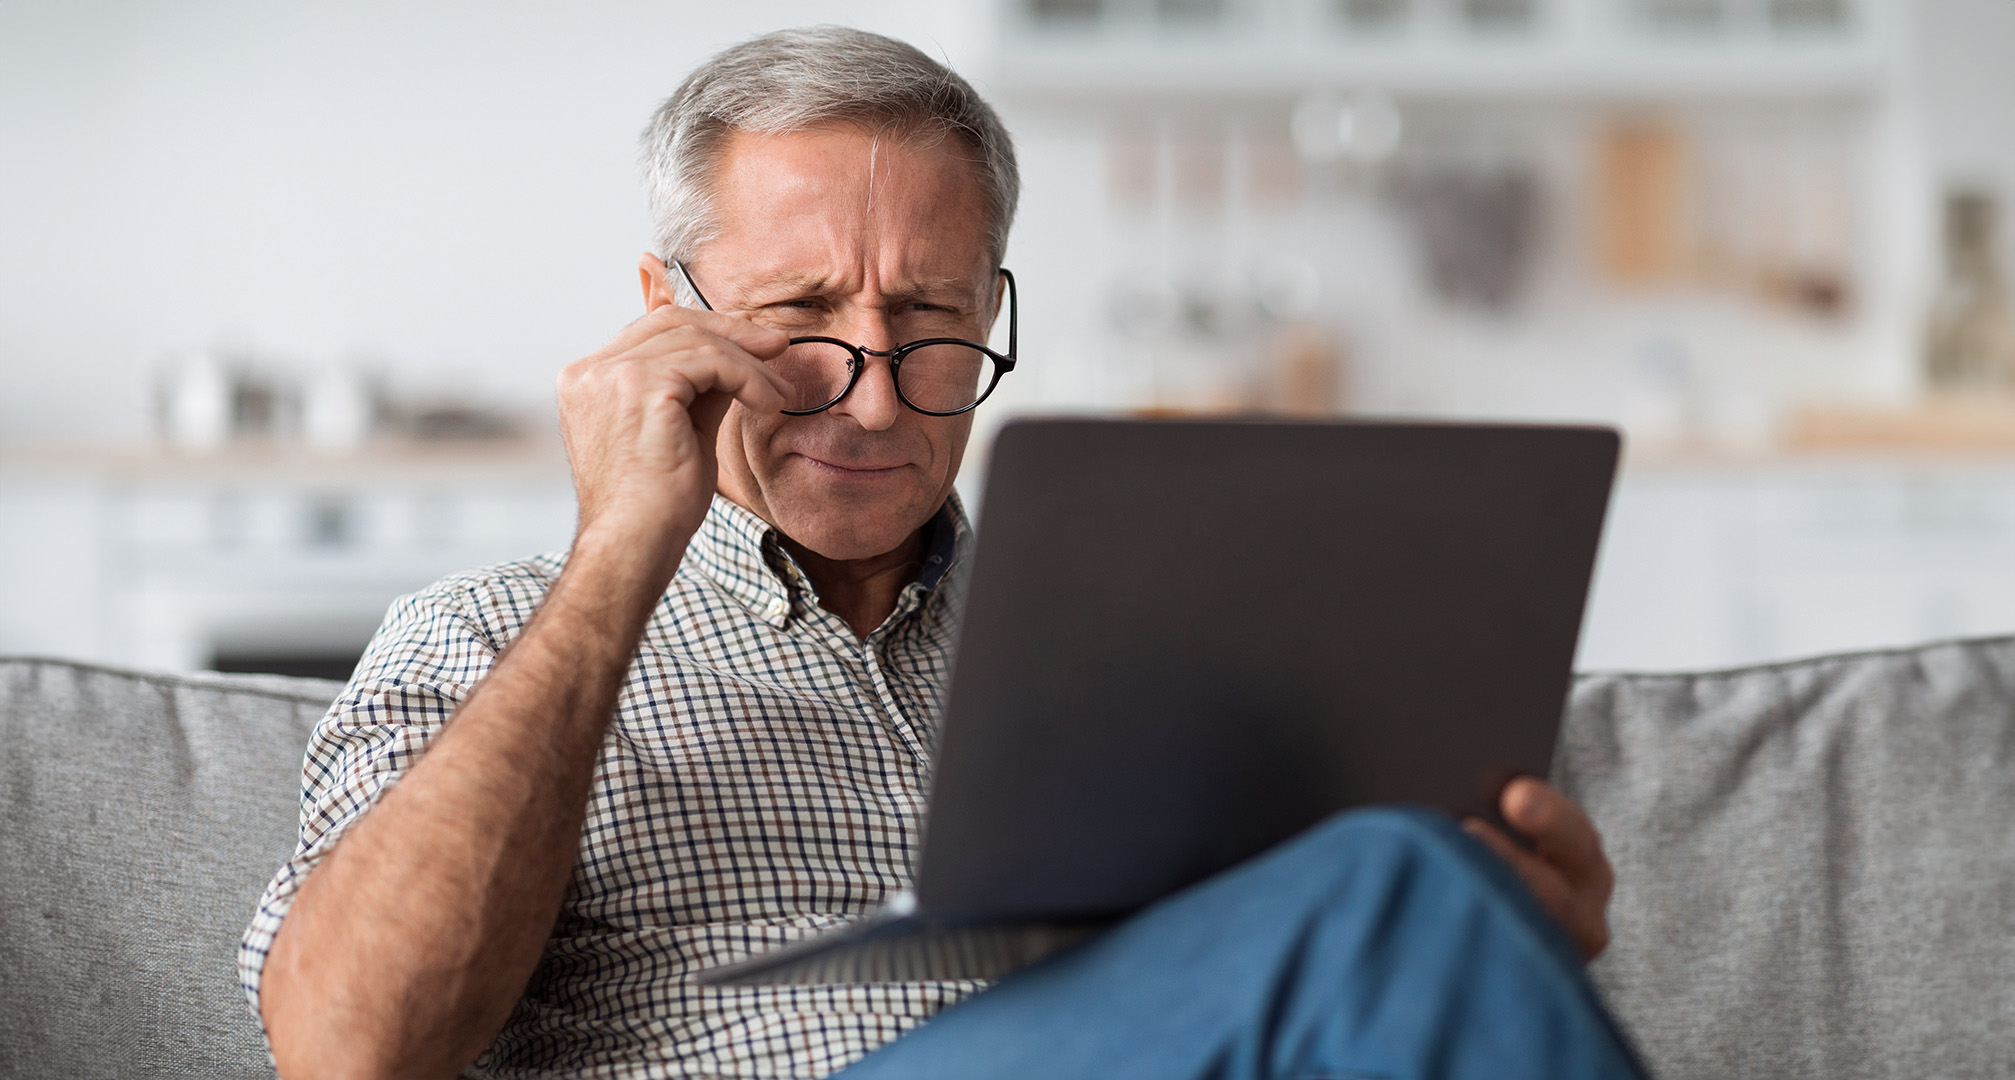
x: 745, y: 436
x: 947, y: 436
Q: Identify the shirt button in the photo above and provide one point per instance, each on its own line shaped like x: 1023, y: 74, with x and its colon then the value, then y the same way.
x: 776, y: 609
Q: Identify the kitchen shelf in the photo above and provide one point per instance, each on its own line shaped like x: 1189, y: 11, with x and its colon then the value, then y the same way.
x: 1573, y: 48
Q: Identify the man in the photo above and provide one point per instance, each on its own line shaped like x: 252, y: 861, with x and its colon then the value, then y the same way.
x: 708, y: 730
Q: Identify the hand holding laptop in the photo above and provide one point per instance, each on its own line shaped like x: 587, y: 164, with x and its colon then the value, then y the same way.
x: 1566, y: 868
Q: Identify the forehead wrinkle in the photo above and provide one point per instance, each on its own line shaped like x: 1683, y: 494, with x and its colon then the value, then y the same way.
x: 794, y: 283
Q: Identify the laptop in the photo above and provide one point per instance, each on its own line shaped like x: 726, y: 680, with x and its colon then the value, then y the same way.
x: 1189, y: 640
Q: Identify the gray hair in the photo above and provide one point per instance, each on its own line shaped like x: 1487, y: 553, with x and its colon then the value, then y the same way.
x: 793, y: 80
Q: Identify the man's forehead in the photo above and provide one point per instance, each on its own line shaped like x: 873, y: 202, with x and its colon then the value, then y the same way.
x: 847, y: 213
x: 817, y: 162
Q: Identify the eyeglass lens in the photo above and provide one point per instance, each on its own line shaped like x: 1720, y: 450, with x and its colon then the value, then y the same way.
x: 934, y: 378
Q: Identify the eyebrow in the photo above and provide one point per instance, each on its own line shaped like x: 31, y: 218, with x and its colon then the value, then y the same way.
x: 799, y: 283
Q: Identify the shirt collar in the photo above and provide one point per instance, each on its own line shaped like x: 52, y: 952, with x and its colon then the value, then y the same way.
x: 944, y: 541
x: 742, y: 554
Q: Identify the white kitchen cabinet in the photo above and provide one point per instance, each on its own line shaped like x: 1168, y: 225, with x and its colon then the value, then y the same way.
x: 1715, y: 564
x: 174, y: 563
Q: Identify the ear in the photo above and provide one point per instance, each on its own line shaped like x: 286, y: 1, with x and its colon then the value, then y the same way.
x: 651, y: 274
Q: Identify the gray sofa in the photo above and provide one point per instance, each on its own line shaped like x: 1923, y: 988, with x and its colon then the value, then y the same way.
x: 1816, y: 862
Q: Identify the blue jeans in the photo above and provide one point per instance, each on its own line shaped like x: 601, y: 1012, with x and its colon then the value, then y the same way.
x: 1382, y: 943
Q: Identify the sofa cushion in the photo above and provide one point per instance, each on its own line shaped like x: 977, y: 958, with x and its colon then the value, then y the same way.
x: 140, y: 816
x: 1815, y: 861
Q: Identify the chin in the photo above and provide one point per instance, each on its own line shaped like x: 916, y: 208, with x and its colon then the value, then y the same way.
x: 845, y: 543
x: 840, y: 528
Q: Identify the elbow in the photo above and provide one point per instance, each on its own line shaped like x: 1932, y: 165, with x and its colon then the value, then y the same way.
x: 337, y: 1055
x: 305, y: 1048
x: 315, y: 1036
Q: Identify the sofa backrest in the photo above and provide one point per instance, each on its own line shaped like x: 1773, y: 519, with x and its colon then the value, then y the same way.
x: 140, y: 816
x: 1815, y: 862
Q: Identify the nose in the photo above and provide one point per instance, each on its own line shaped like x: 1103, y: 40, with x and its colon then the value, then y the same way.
x: 873, y: 403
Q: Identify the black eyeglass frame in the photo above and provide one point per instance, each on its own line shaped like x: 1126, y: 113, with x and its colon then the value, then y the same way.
x: 858, y: 354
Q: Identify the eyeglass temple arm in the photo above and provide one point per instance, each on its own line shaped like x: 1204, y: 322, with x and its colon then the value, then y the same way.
x: 1014, y: 310
x: 702, y: 297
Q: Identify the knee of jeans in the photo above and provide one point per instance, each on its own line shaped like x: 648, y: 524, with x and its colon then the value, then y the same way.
x: 1398, y: 831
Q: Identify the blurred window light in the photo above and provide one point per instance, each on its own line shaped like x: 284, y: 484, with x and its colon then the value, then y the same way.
x: 1498, y: 16
x: 1373, y: 15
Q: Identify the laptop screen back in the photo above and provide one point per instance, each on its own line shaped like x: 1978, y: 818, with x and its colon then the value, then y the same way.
x: 1189, y: 640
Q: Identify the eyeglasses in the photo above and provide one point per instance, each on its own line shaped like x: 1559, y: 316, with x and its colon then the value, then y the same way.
x: 934, y: 376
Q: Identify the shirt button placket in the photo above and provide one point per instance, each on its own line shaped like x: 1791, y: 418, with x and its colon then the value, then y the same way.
x: 886, y: 700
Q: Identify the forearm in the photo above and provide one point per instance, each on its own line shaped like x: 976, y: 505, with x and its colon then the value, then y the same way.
x: 408, y: 946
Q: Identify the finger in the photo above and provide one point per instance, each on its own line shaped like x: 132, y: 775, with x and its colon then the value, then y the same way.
x: 1545, y: 881
x: 719, y: 367
x: 751, y: 336
x: 1560, y: 830
x: 1585, y: 924
x: 765, y: 388
x: 702, y: 359
x: 757, y: 340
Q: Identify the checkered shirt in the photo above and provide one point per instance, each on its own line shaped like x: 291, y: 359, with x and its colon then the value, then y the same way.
x: 764, y: 780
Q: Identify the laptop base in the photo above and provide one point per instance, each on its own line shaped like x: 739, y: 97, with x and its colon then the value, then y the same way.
x: 904, y: 948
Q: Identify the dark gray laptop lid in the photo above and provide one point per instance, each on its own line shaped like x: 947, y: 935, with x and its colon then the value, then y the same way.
x: 1188, y: 640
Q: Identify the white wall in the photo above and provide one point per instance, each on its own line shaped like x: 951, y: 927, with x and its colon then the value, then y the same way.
x: 447, y: 186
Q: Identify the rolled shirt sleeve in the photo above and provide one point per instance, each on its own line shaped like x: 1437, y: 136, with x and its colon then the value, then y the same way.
x: 432, y: 649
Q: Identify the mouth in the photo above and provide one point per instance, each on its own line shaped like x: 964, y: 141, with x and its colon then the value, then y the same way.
x: 864, y: 470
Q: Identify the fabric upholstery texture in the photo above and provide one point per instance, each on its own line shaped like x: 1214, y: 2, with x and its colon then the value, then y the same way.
x: 1815, y: 862
x: 140, y: 816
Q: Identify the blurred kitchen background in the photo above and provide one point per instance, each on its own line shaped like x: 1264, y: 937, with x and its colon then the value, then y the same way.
x: 283, y: 287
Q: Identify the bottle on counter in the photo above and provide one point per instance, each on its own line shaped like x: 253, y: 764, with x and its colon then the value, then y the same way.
x: 1970, y: 343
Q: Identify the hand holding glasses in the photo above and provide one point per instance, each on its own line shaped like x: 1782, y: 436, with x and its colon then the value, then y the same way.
x: 934, y: 376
